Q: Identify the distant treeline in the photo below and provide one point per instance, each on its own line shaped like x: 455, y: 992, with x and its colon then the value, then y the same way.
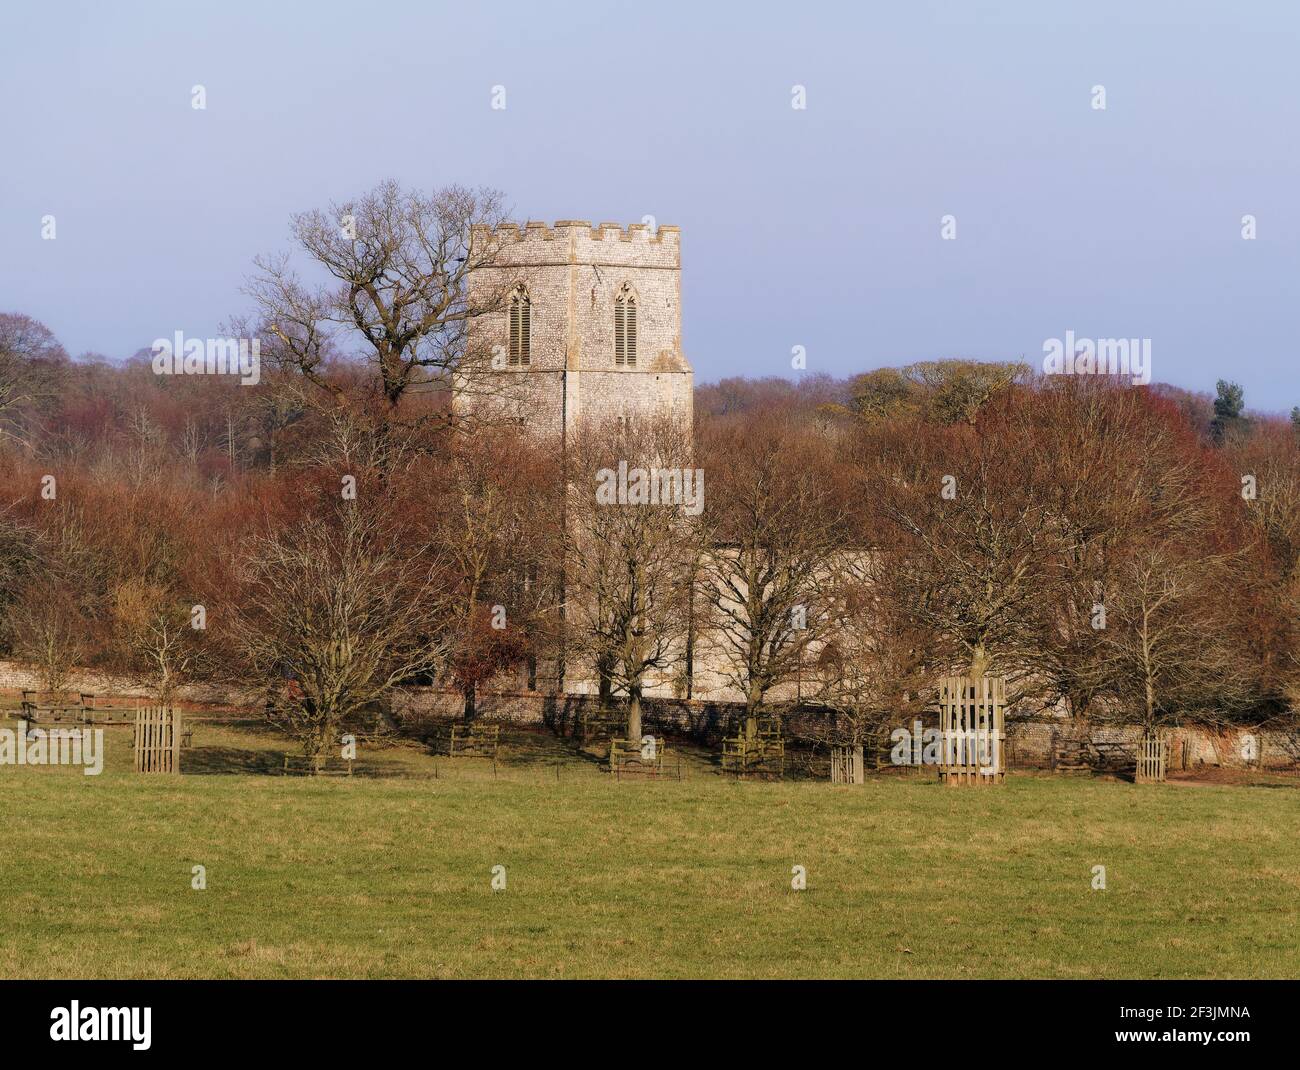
x: 1129, y: 552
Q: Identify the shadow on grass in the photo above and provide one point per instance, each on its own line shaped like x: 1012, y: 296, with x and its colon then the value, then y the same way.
x: 230, y: 761
x: 234, y: 761
x: 525, y: 748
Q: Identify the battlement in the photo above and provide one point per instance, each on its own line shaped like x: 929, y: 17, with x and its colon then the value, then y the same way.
x: 583, y: 285
x: 579, y: 229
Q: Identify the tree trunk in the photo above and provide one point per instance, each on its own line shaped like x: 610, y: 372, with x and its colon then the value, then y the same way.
x: 313, y: 745
x: 470, y: 692
x: 690, y: 643
x: 751, y: 716
x: 634, y: 717
x: 1148, y: 681
x: 604, y: 683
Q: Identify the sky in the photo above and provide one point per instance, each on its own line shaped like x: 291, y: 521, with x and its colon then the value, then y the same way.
x: 818, y: 227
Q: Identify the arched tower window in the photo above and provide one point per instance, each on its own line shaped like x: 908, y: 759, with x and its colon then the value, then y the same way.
x: 521, y: 327
x: 625, y: 328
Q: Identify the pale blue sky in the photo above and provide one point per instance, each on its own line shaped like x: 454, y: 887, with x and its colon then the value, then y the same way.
x: 817, y: 228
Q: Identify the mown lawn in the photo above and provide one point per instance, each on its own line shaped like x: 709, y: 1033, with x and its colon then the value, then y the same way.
x: 390, y: 876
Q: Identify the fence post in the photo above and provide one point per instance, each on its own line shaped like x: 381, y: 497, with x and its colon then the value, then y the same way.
x: 176, y: 741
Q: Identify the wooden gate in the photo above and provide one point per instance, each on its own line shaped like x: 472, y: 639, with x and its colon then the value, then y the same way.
x: 157, y: 740
x: 762, y: 754
x: 1152, y: 759
x: 972, y: 729
x: 846, y: 765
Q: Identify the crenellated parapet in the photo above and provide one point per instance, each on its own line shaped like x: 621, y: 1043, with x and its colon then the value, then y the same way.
x: 589, y: 320
x: 577, y: 230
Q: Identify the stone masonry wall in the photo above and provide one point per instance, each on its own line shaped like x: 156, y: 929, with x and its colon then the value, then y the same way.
x: 572, y: 272
x: 1029, y: 742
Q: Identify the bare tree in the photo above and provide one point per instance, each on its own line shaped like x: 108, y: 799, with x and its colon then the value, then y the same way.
x: 938, y: 391
x: 1146, y: 487
x: 31, y: 365
x: 342, y: 611
x: 400, y: 262
x: 1147, y: 530
x: 1271, y: 458
x: 628, y: 563
x: 18, y: 556
x: 50, y: 631
x: 871, y: 671
x: 1171, y: 652
x: 154, y: 640
x: 490, y: 504
x: 774, y: 528
x: 1081, y: 574
x: 973, y: 543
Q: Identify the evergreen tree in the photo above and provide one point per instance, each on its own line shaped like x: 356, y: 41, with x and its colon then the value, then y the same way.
x: 1228, y: 403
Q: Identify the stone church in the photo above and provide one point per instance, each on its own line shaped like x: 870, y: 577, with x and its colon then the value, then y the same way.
x: 589, y: 327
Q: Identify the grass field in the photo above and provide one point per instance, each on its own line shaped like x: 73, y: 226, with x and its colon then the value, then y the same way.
x: 389, y: 876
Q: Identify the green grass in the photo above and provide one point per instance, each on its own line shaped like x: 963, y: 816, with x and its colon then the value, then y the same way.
x: 390, y: 876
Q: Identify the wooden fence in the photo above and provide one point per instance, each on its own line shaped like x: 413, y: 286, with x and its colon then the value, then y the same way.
x: 1152, y: 759
x: 627, y: 759
x: 468, y: 740
x: 599, y: 726
x: 157, y: 740
x: 762, y: 754
x: 972, y: 727
x: 846, y: 765
x: 43, y: 706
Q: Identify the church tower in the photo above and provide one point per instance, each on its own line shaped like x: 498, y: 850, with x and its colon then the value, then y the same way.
x: 588, y: 326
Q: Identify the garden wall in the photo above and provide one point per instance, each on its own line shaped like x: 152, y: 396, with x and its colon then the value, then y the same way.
x: 1030, y: 741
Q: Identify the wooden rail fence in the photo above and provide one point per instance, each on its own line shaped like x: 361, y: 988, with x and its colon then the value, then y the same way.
x: 599, y: 726
x: 846, y: 765
x: 761, y: 754
x: 631, y: 760
x: 468, y: 740
x: 972, y: 729
x: 1152, y: 759
x: 157, y: 740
